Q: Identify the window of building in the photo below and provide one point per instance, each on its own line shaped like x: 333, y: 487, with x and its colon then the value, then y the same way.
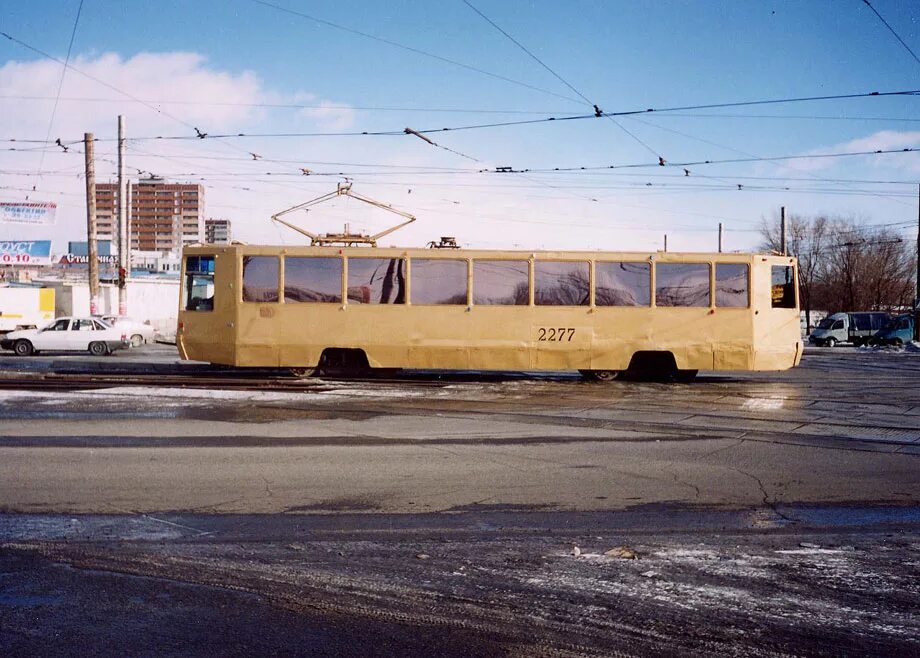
x: 501, y: 282
x: 376, y: 281
x: 312, y: 279
x: 732, y: 285
x: 199, y: 283
x: 682, y: 284
x: 560, y: 283
x: 622, y: 284
x: 438, y: 281
x: 782, y: 288
x: 260, y: 279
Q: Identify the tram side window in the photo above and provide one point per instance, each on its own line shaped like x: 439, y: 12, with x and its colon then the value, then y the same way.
x: 312, y: 279
x: 732, y: 285
x: 199, y: 283
x: 622, y: 284
x: 501, y: 282
x: 438, y: 281
x: 560, y: 283
x: 682, y: 284
x: 376, y: 281
x: 782, y: 288
x: 260, y: 279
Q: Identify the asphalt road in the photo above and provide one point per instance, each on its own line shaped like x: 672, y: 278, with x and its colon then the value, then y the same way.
x: 763, y: 513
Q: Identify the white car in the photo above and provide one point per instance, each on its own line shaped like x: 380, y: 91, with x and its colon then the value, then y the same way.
x: 138, y: 332
x: 68, y: 334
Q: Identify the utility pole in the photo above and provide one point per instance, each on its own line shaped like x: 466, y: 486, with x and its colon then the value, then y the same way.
x: 917, y: 291
x: 720, y: 237
x: 665, y: 242
x: 91, y: 224
x: 124, y: 246
x: 782, y: 230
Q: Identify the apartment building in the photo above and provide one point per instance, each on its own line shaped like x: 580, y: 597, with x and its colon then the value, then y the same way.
x: 164, y: 215
x: 217, y: 231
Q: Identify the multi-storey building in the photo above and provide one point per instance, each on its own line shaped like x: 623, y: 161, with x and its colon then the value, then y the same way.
x: 164, y: 216
x: 217, y: 231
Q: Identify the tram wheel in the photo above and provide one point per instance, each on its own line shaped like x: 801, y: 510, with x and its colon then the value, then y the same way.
x: 685, y: 376
x: 602, y: 375
x: 343, y: 362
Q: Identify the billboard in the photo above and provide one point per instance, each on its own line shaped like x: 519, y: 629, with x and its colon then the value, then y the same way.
x: 27, y: 212
x: 25, y: 252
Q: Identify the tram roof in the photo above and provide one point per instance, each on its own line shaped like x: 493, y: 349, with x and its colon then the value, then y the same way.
x: 426, y: 252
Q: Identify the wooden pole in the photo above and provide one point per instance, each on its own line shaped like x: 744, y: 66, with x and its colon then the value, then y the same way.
x: 782, y: 230
x: 917, y: 291
x: 91, y: 224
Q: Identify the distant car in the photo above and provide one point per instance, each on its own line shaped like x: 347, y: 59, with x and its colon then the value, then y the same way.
x: 898, y: 331
x: 68, y: 334
x: 138, y: 332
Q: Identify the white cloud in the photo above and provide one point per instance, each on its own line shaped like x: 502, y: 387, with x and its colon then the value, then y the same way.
x: 180, y: 91
x: 334, y: 116
x: 484, y: 210
x: 884, y: 140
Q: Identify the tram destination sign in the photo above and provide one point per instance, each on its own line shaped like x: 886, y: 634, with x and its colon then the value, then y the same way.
x: 25, y: 252
x: 27, y: 212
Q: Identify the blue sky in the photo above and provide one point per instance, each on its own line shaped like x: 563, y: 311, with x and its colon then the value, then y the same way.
x: 620, y: 55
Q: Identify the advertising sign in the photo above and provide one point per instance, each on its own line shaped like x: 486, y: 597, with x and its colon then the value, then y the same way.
x: 83, y: 259
x: 27, y: 212
x: 25, y: 252
x: 108, y: 265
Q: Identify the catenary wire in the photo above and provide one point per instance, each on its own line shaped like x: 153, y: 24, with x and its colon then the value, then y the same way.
x: 73, y: 34
x: 293, y: 106
x: 891, y: 29
x: 501, y: 124
x: 411, y: 49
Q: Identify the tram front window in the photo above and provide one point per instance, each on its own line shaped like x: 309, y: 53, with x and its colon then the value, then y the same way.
x: 199, y: 283
x: 782, y: 289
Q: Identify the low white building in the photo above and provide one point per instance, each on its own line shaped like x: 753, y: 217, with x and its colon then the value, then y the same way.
x: 156, y: 262
x: 153, y: 300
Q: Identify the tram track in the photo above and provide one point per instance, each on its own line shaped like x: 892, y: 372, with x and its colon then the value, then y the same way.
x: 708, y: 409
x: 627, y: 405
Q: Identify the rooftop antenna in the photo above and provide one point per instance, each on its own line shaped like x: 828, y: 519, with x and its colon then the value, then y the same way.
x: 345, y: 238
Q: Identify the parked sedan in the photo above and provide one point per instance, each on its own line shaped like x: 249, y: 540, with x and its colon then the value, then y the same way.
x: 67, y: 334
x: 138, y: 332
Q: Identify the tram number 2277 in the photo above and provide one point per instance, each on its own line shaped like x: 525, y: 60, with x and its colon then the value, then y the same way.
x: 555, y: 334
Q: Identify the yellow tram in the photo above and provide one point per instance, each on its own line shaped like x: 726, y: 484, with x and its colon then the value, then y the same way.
x: 601, y: 313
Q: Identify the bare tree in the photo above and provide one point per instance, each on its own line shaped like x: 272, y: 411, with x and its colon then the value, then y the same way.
x: 845, y: 264
x: 806, y: 239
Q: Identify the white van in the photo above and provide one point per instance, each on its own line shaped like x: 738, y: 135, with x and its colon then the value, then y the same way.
x: 855, y: 328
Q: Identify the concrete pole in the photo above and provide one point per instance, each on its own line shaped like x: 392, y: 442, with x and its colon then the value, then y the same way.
x: 91, y: 224
x: 665, y: 241
x: 720, y: 237
x: 782, y: 230
x: 124, y: 247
